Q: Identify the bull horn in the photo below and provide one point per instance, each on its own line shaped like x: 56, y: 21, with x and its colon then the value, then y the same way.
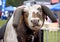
x: 17, y: 15
x: 48, y: 12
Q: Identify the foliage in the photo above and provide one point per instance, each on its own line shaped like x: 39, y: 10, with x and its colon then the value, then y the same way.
x: 14, y: 2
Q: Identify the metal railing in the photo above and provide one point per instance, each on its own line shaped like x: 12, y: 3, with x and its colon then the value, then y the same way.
x: 51, y: 36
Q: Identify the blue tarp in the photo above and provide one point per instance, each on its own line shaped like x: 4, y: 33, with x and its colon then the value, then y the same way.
x: 10, y: 8
x: 55, y: 7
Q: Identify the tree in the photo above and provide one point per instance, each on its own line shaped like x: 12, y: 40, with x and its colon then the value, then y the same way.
x: 14, y: 2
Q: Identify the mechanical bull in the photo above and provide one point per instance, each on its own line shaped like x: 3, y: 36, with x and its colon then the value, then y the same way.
x: 25, y: 23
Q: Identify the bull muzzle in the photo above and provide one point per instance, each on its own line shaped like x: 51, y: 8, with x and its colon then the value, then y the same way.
x: 35, y: 22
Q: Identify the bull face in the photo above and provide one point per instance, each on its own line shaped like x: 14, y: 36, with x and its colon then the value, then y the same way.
x: 33, y: 17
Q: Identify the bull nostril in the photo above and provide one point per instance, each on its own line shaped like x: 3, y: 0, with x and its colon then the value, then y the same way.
x: 38, y: 20
x: 31, y: 20
x: 34, y: 21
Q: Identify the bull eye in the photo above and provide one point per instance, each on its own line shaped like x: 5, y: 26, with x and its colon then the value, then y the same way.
x: 40, y: 10
x: 38, y: 14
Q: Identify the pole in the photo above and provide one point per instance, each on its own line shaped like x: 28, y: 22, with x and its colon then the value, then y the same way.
x: 3, y: 8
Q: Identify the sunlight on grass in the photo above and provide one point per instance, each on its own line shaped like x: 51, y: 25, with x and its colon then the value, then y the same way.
x: 2, y: 22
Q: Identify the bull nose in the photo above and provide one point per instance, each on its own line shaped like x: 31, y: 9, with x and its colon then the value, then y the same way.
x: 35, y: 22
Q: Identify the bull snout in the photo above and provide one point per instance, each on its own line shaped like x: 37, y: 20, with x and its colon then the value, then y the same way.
x: 35, y: 22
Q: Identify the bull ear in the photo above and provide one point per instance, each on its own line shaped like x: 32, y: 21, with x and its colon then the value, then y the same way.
x: 17, y: 15
x: 48, y: 12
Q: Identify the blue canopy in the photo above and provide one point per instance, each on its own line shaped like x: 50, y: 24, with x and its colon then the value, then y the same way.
x: 55, y: 7
x: 0, y: 6
x: 10, y: 8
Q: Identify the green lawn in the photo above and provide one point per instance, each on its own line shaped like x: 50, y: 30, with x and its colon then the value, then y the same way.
x: 53, y: 36
x: 2, y: 22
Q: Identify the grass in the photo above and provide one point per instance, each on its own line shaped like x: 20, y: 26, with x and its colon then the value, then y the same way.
x: 2, y: 22
x: 53, y: 36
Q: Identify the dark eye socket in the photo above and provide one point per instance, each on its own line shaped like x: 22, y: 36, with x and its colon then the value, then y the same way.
x: 39, y: 14
x: 40, y: 10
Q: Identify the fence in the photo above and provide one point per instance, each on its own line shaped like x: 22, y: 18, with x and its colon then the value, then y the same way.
x: 51, y: 34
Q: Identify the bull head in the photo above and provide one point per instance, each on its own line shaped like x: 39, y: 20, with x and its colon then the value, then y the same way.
x: 33, y: 16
